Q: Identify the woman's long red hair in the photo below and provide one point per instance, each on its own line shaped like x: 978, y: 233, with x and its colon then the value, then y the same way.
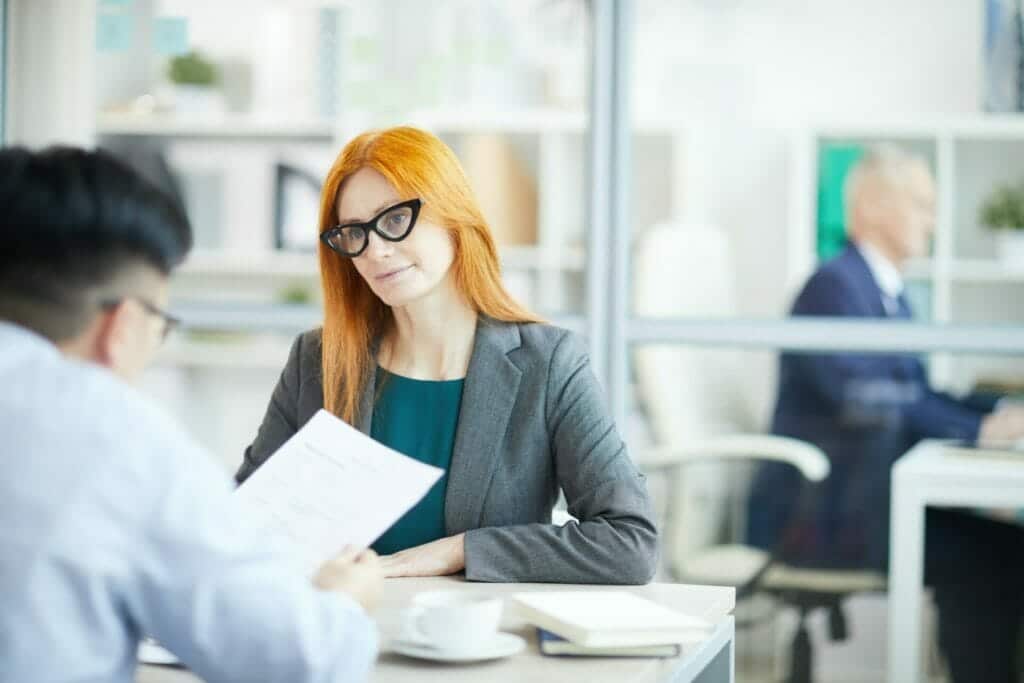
x: 417, y: 164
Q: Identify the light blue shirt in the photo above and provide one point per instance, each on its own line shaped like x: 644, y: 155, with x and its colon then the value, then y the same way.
x: 114, y: 524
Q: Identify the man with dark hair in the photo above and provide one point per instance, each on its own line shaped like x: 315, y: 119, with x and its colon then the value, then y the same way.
x: 113, y: 523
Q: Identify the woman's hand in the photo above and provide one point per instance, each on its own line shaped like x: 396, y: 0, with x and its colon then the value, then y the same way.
x: 437, y: 558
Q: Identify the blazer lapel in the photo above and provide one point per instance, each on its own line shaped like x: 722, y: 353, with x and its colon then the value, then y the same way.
x: 870, y: 292
x: 488, y: 395
x: 904, y: 366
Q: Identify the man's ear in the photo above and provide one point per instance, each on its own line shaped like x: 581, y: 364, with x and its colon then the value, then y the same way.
x: 872, y: 211
x: 113, y: 334
x: 877, y: 213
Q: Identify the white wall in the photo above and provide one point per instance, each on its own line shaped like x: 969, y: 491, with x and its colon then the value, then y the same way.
x: 50, y: 86
x: 745, y: 75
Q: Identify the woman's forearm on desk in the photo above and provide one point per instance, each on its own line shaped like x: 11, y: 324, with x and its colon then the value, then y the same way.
x: 596, y: 551
x: 437, y: 558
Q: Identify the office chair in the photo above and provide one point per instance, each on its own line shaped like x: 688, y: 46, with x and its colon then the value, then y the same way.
x: 702, y: 407
x: 750, y: 570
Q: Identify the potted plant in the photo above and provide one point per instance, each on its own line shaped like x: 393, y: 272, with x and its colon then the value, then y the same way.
x: 194, y: 79
x: 1003, y: 212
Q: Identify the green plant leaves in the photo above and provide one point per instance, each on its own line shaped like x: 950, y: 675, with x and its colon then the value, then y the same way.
x: 1004, y: 208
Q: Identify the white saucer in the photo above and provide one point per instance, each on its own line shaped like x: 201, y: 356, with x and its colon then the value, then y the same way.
x: 503, y: 645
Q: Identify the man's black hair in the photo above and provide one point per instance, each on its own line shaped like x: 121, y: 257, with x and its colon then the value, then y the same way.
x: 71, y: 222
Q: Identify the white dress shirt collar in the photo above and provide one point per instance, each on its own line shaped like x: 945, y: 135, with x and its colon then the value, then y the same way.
x: 886, y: 275
x: 14, y: 336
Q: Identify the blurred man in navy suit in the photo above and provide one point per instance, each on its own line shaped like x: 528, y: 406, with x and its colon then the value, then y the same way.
x: 865, y: 411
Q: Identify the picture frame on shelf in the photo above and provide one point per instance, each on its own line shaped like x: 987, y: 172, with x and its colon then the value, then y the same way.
x: 296, y: 208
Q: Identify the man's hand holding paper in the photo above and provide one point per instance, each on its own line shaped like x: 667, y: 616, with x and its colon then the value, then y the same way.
x: 331, y: 486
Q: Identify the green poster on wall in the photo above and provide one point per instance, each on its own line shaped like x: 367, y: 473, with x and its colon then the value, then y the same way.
x: 835, y: 159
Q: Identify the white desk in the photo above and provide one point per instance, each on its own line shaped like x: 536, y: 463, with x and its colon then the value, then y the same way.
x: 712, y: 661
x: 927, y: 476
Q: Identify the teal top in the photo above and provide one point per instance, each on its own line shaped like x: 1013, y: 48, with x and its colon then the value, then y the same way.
x: 417, y: 418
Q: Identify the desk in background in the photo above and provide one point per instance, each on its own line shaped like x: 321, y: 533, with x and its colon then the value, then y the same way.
x: 711, y: 661
x: 926, y: 476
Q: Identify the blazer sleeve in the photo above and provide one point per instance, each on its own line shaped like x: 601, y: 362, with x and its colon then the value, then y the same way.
x: 281, y: 419
x: 939, y: 416
x: 615, y: 540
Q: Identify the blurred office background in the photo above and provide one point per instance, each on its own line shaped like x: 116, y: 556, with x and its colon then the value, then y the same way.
x: 671, y: 218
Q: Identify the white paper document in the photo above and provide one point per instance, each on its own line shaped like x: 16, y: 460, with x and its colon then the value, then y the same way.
x: 151, y: 652
x: 329, y: 486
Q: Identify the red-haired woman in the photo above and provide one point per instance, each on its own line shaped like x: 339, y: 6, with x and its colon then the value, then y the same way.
x: 423, y: 349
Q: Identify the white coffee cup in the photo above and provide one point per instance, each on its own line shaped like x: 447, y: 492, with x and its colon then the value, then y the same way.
x: 452, y: 620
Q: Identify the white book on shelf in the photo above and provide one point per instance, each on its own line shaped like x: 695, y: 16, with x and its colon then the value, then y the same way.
x: 609, y: 618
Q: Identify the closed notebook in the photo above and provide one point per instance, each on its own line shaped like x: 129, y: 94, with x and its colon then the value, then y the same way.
x: 609, y: 619
x: 551, y: 644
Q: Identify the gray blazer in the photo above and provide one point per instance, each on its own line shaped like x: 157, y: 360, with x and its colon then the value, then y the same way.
x: 532, y: 420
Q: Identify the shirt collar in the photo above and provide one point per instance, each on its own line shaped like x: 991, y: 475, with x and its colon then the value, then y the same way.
x: 12, y: 333
x: 886, y: 275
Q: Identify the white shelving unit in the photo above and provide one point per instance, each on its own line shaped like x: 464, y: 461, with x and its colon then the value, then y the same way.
x: 963, y: 280
x: 263, y: 264
x: 247, y: 277
x: 523, y: 121
x: 299, y: 265
x: 225, y: 126
x: 549, y: 276
x: 260, y: 354
x: 225, y: 165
